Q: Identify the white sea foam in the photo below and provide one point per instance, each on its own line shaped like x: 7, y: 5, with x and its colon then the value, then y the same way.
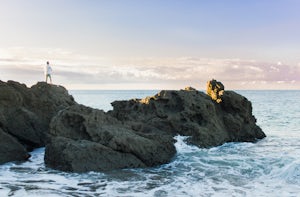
x: 234, y: 169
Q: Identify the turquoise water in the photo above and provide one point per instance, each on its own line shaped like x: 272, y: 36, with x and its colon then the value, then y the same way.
x: 270, y: 167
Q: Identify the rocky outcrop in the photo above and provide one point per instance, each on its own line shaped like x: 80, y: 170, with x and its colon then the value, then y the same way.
x: 136, y: 133
x: 215, y: 90
x: 139, y: 132
x: 25, y: 114
x: 85, y: 139
x: 194, y: 114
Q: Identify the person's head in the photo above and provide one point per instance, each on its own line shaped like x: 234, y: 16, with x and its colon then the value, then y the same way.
x: 47, y: 62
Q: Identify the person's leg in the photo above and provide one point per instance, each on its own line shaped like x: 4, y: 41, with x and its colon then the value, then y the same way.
x: 46, y: 78
x: 50, y: 79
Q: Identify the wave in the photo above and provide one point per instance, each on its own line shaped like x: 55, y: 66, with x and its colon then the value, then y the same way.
x: 233, y: 169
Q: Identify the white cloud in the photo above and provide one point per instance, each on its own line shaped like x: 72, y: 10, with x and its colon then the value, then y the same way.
x: 274, y: 68
x: 255, y: 69
x: 71, y: 69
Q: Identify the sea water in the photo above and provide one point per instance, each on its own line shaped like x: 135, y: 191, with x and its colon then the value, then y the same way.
x: 270, y: 167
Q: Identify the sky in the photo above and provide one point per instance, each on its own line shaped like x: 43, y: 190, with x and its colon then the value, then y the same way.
x: 142, y: 44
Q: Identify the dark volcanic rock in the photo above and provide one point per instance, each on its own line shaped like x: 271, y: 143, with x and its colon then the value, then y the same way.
x: 49, y: 100
x: 25, y: 113
x: 192, y: 113
x: 139, y: 132
x: 85, y: 139
x: 11, y: 149
x: 26, y: 126
x: 238, y: 119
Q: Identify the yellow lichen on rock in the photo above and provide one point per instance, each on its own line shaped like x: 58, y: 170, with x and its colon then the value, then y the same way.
x: 215, y: 90
x: 189, y: 88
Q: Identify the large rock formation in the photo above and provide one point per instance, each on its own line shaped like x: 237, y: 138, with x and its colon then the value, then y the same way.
x: 194, y: 114
x: 85, y: 139
x: 25, y: 114
x: 139, y: 132
x: 136, y: 133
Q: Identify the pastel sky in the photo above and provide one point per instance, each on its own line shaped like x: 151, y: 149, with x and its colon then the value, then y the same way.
x: 152, y: 44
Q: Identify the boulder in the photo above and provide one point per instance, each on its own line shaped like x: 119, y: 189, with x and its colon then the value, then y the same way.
x: 26, y: 126
x: 11, y: 149
x: 236, y: 112
x: 25, y: 113
x: 215, y: 90
x: 85, y: 139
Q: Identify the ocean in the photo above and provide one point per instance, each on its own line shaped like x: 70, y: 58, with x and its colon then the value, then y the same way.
x: 270, y: 167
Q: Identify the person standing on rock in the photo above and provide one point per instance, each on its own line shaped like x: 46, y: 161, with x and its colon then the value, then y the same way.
x: 48, y: 72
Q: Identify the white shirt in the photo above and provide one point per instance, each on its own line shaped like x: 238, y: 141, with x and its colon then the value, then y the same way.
x: 47, y: 69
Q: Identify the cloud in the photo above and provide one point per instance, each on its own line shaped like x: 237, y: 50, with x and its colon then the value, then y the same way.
x: 75, y: 69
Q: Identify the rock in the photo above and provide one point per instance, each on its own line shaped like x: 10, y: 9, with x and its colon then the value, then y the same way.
x: 26, y: 126
x: 238, y: 118
x: 215, y: 90
x: 136, y: 133
x: 85, y: 139
x: 51, y: 99
x: 189, y: 88
x: 194, y: 114
x: 139, y: 132
x: 82, y: 156
x: 11, y: 149
x: 25, y: 113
